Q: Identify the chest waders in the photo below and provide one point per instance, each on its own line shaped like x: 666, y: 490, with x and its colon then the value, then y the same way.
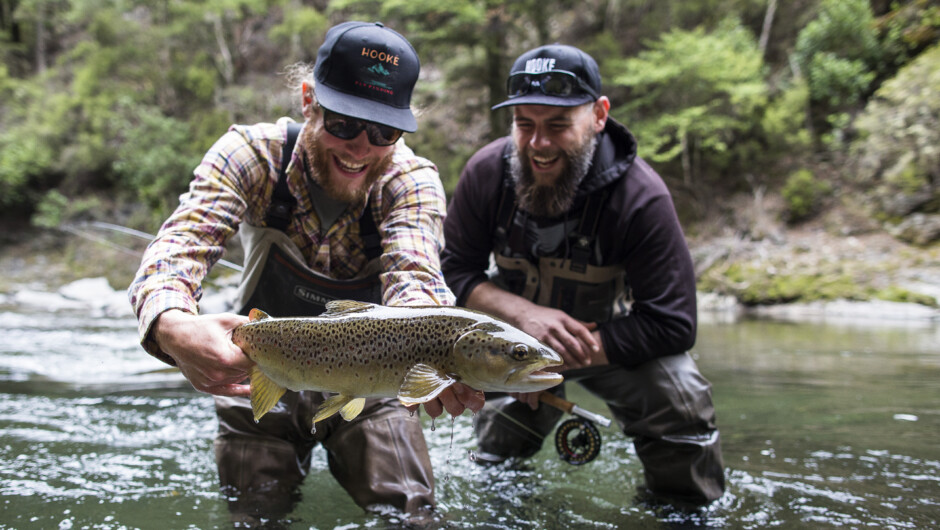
x: 380, y: 457
x: 665, y: 404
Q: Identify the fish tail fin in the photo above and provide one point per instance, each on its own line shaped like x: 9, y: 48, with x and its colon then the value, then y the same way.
x: 265, y: 393
x: 348, y: 406
x: 257, y: 314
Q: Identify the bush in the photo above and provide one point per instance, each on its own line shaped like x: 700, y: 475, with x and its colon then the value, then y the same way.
x: 804, y: 195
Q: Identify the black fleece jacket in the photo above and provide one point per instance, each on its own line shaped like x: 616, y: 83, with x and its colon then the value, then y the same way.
x: 639, y: 229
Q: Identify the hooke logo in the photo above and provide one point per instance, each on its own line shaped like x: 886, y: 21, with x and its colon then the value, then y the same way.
x: 539, y: 65
x: 378, y: 70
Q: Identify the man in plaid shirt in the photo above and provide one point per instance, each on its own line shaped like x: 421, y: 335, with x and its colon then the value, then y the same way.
x: 350, y: 212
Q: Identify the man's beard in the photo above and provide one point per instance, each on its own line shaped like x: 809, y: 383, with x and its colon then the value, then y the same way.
x: 556, y: 198
x: 321, y: 165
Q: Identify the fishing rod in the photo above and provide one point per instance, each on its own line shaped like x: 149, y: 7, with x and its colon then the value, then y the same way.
x: 76, y: 229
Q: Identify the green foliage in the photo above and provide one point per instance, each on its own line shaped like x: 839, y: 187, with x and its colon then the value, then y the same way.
x: 753, y: 285
x: 898, y: 153
x: 51, y: 210
x: 910, y: 27
x: 840, y: 55
x: 24, y: 160
x: 694, y: 94
x: 300, y: 30
x: 124, y: 96
x: 155, y: 157
x: 899, y: 294
x: 783, y: 122
x: 803, y: 194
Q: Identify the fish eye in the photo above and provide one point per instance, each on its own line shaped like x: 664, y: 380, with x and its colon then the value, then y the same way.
x: 520, y: 352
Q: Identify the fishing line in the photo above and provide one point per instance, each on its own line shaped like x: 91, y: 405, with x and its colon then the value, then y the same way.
x: 496, y: 409
x: 74, y: 229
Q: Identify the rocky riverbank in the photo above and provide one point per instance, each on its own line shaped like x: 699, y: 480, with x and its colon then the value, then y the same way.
x: 802, y: 274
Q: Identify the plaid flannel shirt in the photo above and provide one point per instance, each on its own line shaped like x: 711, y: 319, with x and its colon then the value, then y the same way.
x: 234, y: 183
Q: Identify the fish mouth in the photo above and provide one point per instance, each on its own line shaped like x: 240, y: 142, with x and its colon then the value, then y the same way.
x: 535, y: 376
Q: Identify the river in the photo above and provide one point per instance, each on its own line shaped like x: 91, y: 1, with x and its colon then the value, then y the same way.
x: 831, y: 424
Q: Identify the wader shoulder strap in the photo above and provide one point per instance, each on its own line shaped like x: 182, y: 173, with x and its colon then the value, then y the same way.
x: 586, y: 232
x: 369, y: 233
x: 282, y: 202
x: 506, y: 209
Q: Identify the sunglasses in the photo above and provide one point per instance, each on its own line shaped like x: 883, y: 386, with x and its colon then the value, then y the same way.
x: 557, y: 83
x: 347, y: 128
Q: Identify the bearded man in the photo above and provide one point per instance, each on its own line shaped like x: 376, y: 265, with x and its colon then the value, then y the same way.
x: 336, y: 207
x: 562, y: 230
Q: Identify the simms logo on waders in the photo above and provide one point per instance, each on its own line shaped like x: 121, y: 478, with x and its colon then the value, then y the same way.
x: 309, y: 295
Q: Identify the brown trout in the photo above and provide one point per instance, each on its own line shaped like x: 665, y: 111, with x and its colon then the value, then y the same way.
x: 361, y: 350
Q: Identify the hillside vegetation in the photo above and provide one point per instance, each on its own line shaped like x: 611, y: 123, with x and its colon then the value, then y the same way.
x: 764, y: 117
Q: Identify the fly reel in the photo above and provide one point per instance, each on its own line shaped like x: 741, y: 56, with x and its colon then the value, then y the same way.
x: 577, y: 441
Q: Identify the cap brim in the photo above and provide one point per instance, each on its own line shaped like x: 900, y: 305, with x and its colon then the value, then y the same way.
x: 542, y: 99
x: 365, y: 109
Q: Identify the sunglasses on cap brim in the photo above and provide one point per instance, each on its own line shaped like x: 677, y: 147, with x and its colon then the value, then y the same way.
x: 556, y: 83
x: 347, y: 128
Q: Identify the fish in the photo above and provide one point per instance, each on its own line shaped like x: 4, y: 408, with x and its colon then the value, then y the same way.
x: 359, y: 350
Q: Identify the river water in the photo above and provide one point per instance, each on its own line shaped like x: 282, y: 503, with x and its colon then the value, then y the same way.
x: 823, y: 425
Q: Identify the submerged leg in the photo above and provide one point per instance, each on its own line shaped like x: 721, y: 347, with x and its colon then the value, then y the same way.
x: 261, y: 464
x: 666, y: 405
x: 381, y: 458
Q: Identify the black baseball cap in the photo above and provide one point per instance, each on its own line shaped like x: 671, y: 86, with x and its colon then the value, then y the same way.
x: 367, y: 71
x: 556, y: 74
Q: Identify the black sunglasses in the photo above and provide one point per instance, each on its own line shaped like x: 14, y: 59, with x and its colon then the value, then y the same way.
x: 557, y: 83
x: 347, y: 128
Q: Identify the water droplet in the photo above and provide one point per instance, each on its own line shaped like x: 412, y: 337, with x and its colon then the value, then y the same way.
x: 471, y: 455
x: 313, y: 429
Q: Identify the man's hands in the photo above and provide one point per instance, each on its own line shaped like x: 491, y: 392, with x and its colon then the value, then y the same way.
x: 570, y: 337
x: 455, y: 399
x: 579, y: 343
x: 573, y: 339
x: 203, y: 350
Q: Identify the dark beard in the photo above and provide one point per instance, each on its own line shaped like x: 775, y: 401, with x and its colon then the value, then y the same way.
x: 556, y: 199
x: 320, y: 168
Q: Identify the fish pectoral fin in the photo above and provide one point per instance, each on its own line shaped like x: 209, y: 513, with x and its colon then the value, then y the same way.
x: 423, y: 383
x: 349, y: 407
x: 352, y: 409
x: 265, y: 393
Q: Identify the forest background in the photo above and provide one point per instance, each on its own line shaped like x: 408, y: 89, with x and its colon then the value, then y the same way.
x: 797, y: 137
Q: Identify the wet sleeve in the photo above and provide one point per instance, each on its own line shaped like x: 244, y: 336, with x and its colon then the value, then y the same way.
x: 412, y: 238
x: 193, y: 238
x: 660, y: 272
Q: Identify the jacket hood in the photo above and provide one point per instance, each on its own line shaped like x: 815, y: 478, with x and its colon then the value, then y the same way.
x: 616, y: 151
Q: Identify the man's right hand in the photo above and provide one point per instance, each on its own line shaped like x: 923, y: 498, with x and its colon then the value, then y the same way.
x: 203, y: 350
x: 570, y: 337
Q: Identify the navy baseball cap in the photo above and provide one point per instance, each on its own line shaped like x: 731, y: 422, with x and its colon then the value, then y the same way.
x: 367, y: 71
x: 556, y: 74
